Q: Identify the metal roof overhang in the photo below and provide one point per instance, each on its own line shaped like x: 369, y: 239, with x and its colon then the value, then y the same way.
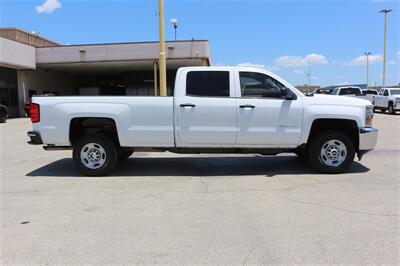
x: 121, y: 56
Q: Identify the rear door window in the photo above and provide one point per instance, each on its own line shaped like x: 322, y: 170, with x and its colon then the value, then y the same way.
x: 208, y: 83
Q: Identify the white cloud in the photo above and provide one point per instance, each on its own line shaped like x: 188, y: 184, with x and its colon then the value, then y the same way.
x: 298, y: 72
x: 392, y: 62
x: 362, y: 60
x: 48, y: 6
x: 298, y: 61
x: 248, y: 64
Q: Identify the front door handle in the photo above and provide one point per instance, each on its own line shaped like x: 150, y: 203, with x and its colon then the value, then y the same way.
x: 247, y: 106
x: 188, y: 105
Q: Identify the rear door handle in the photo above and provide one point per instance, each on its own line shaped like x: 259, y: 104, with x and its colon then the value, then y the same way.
x: 247, y: 106
x: 188, y: 105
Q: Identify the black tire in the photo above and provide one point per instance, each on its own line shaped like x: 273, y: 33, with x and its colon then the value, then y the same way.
x: 124, y: 154
x: 3, y: 114
x: 391, y: 109
x: 302, y: 153
x: 319, y: 142
x: 108, y: 150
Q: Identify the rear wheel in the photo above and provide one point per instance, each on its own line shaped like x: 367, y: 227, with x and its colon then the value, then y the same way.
x: 331, y: 152
x: 95, y: 155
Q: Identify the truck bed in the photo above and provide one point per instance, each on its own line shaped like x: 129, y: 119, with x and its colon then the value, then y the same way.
x: 141, y: 121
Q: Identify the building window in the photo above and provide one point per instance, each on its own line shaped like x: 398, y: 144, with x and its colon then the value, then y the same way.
x: 207, y: 83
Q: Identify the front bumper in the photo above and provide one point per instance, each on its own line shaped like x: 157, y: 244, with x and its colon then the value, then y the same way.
x: 35, y: 137
x: 368, y: 138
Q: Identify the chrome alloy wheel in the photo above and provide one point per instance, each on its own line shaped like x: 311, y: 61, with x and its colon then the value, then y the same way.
x: 93, y: 156
x: 333, y: 153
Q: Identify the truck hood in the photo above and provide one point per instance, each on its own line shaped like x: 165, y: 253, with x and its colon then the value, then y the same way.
x: 323, y: 99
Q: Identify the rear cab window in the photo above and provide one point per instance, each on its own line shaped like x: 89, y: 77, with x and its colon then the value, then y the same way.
x: 350, y: 91
x: 369, y: 92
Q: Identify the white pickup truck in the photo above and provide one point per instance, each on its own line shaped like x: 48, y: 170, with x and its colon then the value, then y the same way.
x: 213, y: 110
x: 388, y: 99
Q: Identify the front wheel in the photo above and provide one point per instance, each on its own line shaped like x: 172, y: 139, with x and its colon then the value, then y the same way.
x: 302, y: 153
x: 124, y: 154
x: 95, y: 155
x: 331, y: 152
x: 391, y: 109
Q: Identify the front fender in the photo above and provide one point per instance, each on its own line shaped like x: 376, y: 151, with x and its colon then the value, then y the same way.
x: 314, y: 112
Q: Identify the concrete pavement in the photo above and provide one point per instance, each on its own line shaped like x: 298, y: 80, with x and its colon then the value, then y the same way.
x: 204, y: 209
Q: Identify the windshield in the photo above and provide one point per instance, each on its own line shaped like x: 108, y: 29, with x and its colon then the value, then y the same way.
x: 395, y: 92
x: 350, y: 91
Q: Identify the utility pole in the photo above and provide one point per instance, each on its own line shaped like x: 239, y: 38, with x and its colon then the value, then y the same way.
x: 162, y: 58
x: 385, y: 12
x: 367, y: 55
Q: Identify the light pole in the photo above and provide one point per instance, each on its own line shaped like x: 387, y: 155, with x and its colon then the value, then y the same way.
x: 385, y: 12
x: 174, y: 22
x: 309, y: 77
x: 162, y: 58
x: 367, y: 55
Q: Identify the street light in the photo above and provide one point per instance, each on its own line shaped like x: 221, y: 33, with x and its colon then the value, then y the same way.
x: 385, y: 11
x: 309, y: 76
x: 174, y: 22
x: 367, y: 55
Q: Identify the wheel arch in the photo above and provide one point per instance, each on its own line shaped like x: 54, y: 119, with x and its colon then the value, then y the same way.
x: 347, y: 126
x: 82, y: 126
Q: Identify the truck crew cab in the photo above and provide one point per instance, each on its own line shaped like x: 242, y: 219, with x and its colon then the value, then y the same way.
x: 213, y: 110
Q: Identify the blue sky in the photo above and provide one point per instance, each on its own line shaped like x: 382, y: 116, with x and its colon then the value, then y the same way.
x: 280, y: 35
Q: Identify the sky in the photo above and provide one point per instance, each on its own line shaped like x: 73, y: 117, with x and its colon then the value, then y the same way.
x: 283, y: 36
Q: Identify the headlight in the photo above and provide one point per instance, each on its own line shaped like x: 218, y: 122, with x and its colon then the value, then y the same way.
x: 369, y: 115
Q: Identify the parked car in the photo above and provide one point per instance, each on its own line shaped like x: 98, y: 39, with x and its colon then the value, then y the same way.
x: 323, y: 91
x: 369, y: 95
x: 388, y: 99
x: 213, y: 110
x: 347, y: 91
x: 3, y: 113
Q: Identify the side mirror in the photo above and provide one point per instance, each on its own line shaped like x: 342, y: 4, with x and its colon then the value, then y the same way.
x: 284, y: 92
x: 287, y: 94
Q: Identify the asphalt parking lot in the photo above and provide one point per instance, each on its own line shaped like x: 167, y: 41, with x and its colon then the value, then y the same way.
x: 204, y: 209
